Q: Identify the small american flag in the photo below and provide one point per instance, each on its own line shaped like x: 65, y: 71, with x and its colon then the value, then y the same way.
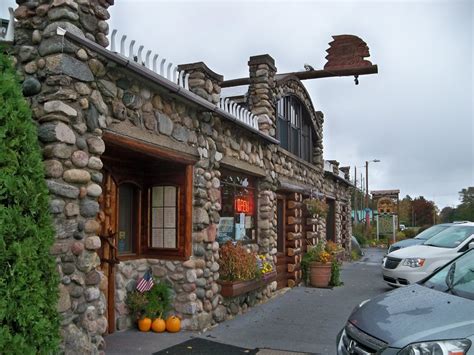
x: 145, y: 283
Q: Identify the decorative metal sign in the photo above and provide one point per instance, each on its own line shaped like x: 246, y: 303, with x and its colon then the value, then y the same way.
x: 347, y: 52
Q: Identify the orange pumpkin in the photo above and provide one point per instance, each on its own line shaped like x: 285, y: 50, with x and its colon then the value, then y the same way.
x: 144, y: 324
x: 173, y: 324
x: 158, y: 325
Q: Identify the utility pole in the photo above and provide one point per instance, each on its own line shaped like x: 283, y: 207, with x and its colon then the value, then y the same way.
x: 356, y: 208
x: 367, y: 215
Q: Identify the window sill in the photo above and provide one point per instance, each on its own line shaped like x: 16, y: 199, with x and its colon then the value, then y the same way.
x: 153, y: 256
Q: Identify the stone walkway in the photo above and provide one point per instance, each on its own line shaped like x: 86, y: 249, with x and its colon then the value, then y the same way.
x: 304, y: 319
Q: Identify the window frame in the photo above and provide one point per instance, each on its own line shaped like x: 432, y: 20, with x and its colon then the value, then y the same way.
x: 253, y: 186
x: 138, y: 193
x: 181, y: 174
x: 293, y: 115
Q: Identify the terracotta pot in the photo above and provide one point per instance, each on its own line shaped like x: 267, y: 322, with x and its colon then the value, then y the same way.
x: 320, y: 274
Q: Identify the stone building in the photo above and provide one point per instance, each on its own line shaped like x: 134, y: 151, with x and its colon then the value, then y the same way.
x: 151, y: 170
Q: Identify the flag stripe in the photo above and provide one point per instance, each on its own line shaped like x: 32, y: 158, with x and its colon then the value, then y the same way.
x: 145, y: 283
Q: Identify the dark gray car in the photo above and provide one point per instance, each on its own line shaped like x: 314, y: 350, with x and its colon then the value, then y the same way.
x: 434, y: 316
x: 421, y: 237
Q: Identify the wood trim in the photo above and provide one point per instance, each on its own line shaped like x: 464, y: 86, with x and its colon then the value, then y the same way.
x: 146, y: 148
x: 237, y: 288
x: 241, y: 166
x: 188, y: 214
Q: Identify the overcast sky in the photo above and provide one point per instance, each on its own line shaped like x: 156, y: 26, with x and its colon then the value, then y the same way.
x: 416, y: 115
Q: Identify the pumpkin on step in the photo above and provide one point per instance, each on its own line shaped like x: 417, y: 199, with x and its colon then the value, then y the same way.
x: 158, y: 325
x: 173, y: 324
x: 144, y: 324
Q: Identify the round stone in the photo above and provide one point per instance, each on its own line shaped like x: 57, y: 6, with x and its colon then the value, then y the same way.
x: 94, y: 190
x: 96, y: 67
x: 31, y: 86
x: 92, y: 293
x: 36, y: 37
x: 71, y: 209
x: 80, y: 158
x: 93, y: 278
x: 92, y: 226
x: 31, y: 67
x: 76, y: 176
x: 77, y: 248
x: 95, y: 163
x: 82, y: 54
x: 81, y: 143
x: 53, y: 168
x: 89, y: 208
x: 92, y: 243
x: 82, y: 88
x: 96, y: 145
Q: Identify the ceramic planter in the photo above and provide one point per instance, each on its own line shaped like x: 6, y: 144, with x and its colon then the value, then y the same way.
x: 320, y: 274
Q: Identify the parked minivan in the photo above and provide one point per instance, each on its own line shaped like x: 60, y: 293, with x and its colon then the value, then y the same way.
x: 433, y: 316
x: 420, y: 238
x: 409, y: 265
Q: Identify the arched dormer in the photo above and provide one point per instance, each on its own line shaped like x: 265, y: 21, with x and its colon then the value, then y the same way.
x: 294, y: 128
x: 295, y: 111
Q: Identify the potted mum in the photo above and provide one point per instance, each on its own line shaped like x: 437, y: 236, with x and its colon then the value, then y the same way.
x: 316, y: 207
x: 316, y: 265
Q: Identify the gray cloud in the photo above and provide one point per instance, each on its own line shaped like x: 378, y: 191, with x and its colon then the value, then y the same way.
x: 416, y: 115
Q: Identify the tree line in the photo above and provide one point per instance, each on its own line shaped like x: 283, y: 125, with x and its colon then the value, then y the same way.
x: 421, y: 212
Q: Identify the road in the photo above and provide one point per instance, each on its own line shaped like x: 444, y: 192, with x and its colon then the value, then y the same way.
x: 303, y: 319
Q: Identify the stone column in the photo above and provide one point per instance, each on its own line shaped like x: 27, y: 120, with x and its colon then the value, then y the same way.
x: 346, y: 171
x: 203, y: 81
x: 59, y: 82
x: 261, y: 97
x: 335, y: 167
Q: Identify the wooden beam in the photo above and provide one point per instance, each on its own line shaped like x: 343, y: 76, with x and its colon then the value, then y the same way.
x: 310, y: 74
x: 147, y: 148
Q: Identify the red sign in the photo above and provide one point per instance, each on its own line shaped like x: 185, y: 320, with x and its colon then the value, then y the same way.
x: 242, y: 205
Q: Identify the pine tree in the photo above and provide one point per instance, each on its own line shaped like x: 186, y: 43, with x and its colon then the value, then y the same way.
x: 29, y: 321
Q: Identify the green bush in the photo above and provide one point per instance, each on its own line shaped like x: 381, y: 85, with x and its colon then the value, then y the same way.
x: 155, y: 303
x: 409, y: 232
x: 29, y: 322
x: 401, y: 236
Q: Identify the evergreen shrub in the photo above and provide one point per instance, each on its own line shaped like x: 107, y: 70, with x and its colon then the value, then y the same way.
x: 29, y: 321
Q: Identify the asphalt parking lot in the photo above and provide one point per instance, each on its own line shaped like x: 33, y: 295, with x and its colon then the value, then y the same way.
x: 303, y: 319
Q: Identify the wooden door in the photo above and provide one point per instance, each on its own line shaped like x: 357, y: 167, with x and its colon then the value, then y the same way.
x: 331, y: 221
x: 108, y: 251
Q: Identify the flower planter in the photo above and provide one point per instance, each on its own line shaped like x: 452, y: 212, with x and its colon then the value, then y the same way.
x: 320, y: 274
x: 237, y: 288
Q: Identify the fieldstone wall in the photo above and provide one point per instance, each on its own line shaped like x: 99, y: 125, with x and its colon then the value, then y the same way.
x: 195, y: 300
x: 58, y: 81
x: 75, y: 95
x: 260, y: 99
x: 342, y: 195
x: 241, y: 304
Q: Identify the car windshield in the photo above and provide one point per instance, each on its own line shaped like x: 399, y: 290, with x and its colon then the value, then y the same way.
x: 428, y: 233
x: 451, y: 237
x: 456, y: 277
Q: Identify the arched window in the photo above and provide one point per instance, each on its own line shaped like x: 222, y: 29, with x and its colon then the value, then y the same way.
x: 294, y: 128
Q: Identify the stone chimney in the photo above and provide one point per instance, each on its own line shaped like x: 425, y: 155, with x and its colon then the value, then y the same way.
x: 261, y: 92
x: 335, y: 166
x: 60, y: 82
x: 346, y: 171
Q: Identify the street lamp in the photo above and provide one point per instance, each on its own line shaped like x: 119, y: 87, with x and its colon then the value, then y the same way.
x: 367, y: 217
